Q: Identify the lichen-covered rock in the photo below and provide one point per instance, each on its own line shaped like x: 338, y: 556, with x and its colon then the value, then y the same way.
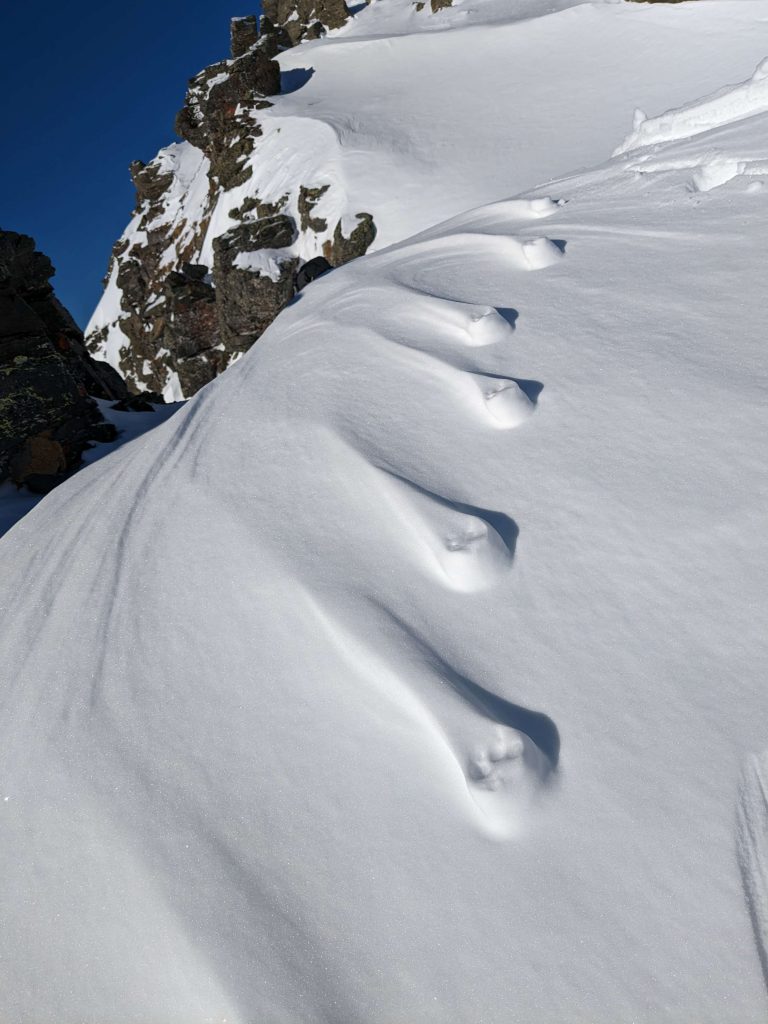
x: 47, y: 418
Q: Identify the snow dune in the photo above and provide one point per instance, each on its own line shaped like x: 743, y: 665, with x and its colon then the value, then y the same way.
x: 410, y: 670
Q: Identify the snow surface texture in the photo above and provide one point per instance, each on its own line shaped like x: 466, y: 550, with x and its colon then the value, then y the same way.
x: 409, y: 672
x: 415, y: 117
x: 15, y: 503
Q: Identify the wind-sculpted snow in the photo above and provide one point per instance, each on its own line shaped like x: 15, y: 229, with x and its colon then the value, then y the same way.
x: 733, y: 103
x: 223, y: 667
x: 408, y: 672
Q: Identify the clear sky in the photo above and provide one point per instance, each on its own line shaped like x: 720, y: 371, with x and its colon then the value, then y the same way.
x: 87, y: 87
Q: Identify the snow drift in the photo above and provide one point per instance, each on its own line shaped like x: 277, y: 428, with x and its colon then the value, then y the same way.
x: 410, y: 670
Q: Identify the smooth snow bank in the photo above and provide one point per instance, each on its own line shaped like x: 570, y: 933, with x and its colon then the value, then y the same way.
x: 733, y: 103
x: 409, y: 672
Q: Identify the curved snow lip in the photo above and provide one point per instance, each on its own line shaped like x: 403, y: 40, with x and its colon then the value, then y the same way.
x: 540, y: 729
x: 472, y: 547
x: 733, y: 103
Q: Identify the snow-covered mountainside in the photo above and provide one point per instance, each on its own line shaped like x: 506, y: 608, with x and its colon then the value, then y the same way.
x: 415, y: 670
x: 397, y: 120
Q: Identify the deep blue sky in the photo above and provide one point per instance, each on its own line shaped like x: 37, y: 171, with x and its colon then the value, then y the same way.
x: 87, y: 87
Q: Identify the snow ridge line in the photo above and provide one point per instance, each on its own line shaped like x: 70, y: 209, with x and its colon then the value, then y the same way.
x: 513, y: 752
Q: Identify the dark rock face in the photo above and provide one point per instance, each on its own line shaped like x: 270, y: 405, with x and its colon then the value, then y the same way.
x: 244, y: 33
x: 342, y: 250
x: 150, y: 183
x: 47, y: 418
x: 275, y: 232
x: 311, y: 271
x: 248, y: 301
x: 308, y: 200
x: 304, y: 19
x: 216, y: 115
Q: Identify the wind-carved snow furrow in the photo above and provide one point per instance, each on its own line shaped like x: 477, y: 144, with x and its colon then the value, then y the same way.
x: 513, y: 758
x: 752, y: 848
x: 500, y: 218
x: 418, y: 261
x: 460, y: 324
x: 470, y: 547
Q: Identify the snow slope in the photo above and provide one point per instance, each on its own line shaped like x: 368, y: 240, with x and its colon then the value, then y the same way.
x: 415, y: 117
x: 415, y: 670
x: 16, y: 503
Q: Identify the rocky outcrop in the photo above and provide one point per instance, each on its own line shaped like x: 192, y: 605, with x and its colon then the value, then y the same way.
x: 341, y: 249
x: 435, y: 5
x: 216, y: 116
x: 244, y: 33
x: 47, y: 418
x: 303, y: 19
x: 250, y: 297
x: 311, y: 271
x: 207, y: 263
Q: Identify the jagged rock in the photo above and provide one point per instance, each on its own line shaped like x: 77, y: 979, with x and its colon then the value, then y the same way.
x: 308, y: 200
x: 343, y: 249
x: 217, y: 115
x: 190, y: 313
x: 311, y: 270
x: 212, y: 115
x: 305, y: 19
x: 149, y: 181
x: 194, y: 271
x: 273, y: 38
x: 253, y: 205
x: 247, y: 300
x: 47, y: 418
x: 244, y: 33
x: 274, y: 232
x: 185, y: 323
x: 197, y: 371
